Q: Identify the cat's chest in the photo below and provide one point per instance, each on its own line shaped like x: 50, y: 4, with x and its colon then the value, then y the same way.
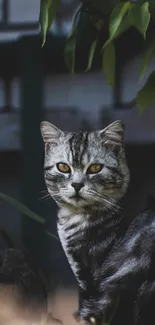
x: 74, y: 243
x: 72, y: 233
x: 87, y: 245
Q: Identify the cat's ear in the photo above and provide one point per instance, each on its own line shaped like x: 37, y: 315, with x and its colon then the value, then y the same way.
x: 113, y: 135
x: 50, y: 132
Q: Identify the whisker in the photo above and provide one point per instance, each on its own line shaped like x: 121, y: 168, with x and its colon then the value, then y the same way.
x: 106, y: 200
x: 45, y: 197
x: 43, y: 191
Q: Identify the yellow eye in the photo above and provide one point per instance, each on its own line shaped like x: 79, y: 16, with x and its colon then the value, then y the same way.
x: 64, y: 168
x: 95, y: 168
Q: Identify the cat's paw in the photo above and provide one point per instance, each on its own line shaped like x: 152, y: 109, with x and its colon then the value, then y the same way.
x: 89, y: 314
x: 97, y: 312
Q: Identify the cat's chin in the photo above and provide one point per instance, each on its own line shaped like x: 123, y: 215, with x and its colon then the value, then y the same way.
x: 77, y: 202
x: 77, y: 198
x: 73, y: 203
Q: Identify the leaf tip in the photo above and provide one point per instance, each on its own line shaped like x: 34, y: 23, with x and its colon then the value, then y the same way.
x: 43, y: 43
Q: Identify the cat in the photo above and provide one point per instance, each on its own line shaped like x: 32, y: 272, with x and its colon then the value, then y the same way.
x: 87, y: 175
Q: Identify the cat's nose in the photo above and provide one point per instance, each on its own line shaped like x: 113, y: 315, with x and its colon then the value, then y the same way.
x: 77, y: 186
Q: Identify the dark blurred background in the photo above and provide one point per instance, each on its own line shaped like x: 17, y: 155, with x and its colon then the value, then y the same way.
x: 35, y: 85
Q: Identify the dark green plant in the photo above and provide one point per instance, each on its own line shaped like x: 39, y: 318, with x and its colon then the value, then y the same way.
x: 24, y: 210
x: 118, y: 16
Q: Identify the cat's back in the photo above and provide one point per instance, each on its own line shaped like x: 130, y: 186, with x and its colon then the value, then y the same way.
x: 139, y: 239
x: 137, y: 265
x: 141, y: 229
x: 136, y: 250
x: 143, y: 223
x: 131, y: 266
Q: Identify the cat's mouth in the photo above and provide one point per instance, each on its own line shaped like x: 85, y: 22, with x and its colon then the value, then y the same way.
x: 77, y: 197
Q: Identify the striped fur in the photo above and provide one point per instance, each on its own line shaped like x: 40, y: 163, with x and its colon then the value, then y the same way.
x: 110, y: 264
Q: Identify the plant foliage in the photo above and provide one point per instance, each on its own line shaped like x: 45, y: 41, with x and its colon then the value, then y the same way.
x: 25, y: 211
x: 119, y: 16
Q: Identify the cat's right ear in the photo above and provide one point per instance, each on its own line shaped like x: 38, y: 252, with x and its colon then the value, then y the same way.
x: 50, y: 132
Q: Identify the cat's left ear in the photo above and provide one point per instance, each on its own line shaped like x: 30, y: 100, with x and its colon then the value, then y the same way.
x: 50, y: 132
x: 113, y: 135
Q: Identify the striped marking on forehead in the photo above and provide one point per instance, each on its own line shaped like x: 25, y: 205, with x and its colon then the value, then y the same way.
x: 78, y: 145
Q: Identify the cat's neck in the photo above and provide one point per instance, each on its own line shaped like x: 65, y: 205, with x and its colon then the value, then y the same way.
x: 89, y: 218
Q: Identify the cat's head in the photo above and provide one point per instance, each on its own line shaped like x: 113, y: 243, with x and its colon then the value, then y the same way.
x: 85, y: 169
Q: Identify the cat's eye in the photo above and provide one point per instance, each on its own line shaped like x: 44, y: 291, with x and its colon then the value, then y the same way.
x: 94, y: 168
x: 64, y: 168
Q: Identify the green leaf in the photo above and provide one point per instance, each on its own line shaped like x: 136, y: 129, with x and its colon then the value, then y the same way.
x: 48, y: 10
x: 69, y: 53
x: 108, y: 64
x: 146, y: 96
x: 140, y: 17
x: 22, y: 208
x: 52, y: 9
x: 91, y: 55
x: 70, y: 47
x: 116, y: 18
x: 97, y: 23
x: 124, y: 26
x: 74, y: 25
x: 146, y: 60
x: 43, y: 20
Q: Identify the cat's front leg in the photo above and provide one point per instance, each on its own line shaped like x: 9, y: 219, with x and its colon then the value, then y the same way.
x: 98, y: 310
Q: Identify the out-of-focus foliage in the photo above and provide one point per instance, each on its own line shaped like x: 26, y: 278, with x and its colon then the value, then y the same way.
x: 22, y: 208
x: 25, y: 211
x: 118, y: 16
x: 48, y: 10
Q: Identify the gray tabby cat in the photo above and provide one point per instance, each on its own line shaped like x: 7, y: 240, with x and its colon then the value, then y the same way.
x: 87, y: 175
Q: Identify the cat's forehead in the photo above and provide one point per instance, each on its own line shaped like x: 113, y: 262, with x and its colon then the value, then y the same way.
x: 79, y: 148
x: 85, y: 146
